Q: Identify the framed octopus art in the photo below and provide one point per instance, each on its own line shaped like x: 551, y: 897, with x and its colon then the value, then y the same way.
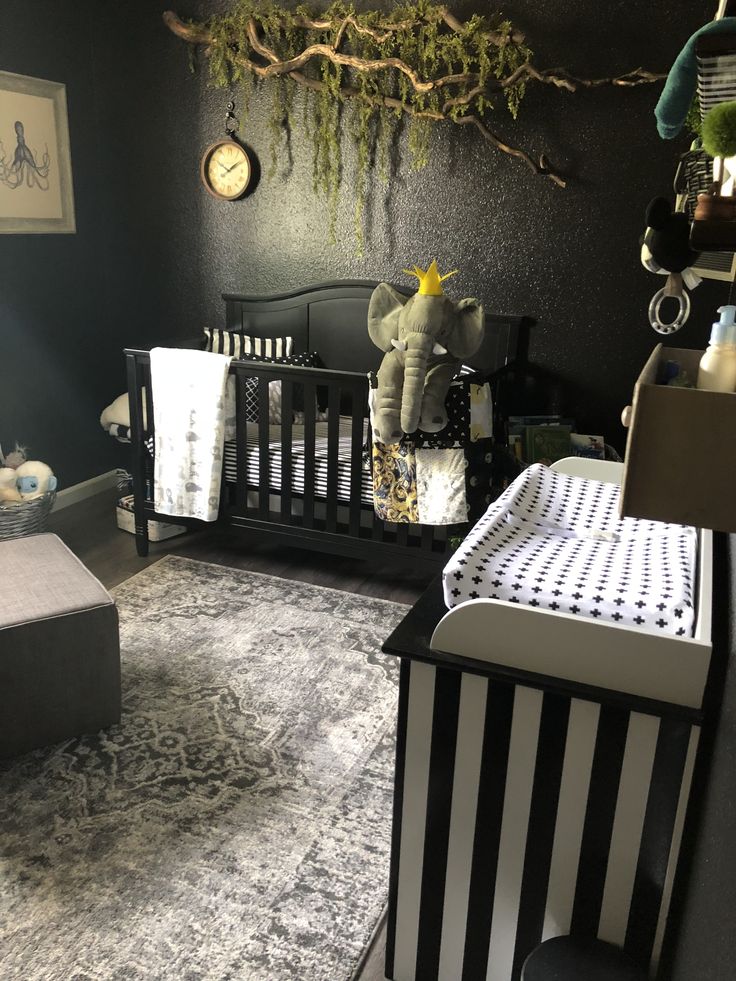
x: 36, y: 193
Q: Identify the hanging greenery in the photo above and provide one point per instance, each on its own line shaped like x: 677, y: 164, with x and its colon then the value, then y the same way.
x: 693, y: 120
x: 418, y: 63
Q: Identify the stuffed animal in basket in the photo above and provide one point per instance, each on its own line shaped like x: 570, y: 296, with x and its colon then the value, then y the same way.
x: 26, y: 482
x: 426, y: 337
x: 34, y: 479
x: 9, y: 493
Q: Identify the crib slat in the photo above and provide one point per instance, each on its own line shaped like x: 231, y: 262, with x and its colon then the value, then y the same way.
x: 310, y: 395
x: 377, y: 532
x: 264, y: 469
x: 378, y: 527
x: 427, y: 538
x: 356, y: 462
x: 136, y: 376
x: 149, y: 401
x: 333, y: 445
x: 241, y: 444
x: 287, y: 416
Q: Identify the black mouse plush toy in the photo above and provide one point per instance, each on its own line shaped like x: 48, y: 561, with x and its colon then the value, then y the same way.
x: 665, y: 249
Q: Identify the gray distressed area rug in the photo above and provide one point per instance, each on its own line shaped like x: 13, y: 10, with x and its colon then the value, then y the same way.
x: 235, y: 826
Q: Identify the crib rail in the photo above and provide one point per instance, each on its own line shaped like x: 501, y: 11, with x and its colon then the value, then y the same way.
x: 303, y: 500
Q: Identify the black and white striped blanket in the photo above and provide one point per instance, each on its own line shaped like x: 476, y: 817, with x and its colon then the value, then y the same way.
x: 345, y: 491
x: 252, y: 451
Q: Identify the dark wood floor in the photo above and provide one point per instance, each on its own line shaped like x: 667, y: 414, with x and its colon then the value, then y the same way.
x: 90, y: 530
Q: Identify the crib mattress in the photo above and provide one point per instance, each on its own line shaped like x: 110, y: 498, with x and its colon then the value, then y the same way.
x: 556, y: 542
x: 298, y: 457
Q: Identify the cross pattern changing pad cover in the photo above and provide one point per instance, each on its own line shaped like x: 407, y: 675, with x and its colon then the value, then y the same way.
x: 557, y: 543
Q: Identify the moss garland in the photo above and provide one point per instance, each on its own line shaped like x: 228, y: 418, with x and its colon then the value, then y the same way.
x: 417, y: 62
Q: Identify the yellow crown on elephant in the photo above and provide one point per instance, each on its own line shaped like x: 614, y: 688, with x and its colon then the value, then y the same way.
x: 430, y: 279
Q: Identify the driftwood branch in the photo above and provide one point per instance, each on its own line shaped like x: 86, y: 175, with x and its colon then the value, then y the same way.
x: 542, y: 168
x: 187, y: 32
x: 346, y: 92
x: 291, y: 68
x: 558, y: 77
x: 385, y: 29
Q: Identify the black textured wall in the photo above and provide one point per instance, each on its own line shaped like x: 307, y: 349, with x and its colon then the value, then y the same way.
x: 567, y: 257
x: 154, y: 251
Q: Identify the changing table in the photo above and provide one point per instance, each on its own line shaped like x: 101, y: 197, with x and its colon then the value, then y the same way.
x: 543, y: 771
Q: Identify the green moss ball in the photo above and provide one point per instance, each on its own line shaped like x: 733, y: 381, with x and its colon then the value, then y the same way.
x: 719, y: 130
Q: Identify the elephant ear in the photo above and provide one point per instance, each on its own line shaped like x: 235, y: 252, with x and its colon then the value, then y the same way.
x: 383, y: 315
x: 467, y: 335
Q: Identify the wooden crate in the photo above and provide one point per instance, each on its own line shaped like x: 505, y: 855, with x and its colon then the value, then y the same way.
x: 681, y: 450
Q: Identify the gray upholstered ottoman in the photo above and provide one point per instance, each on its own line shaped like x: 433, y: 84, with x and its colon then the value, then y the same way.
x: 59, y: 646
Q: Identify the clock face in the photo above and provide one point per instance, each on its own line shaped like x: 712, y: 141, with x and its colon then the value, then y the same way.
x: 226, y: 170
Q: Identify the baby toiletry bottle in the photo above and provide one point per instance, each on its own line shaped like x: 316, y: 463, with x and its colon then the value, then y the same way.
x: 718, y: 365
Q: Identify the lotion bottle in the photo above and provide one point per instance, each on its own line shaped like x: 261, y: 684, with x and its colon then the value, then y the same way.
x: 717, y: 371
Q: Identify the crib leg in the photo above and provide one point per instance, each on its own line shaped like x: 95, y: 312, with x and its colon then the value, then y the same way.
x: 141, y: 538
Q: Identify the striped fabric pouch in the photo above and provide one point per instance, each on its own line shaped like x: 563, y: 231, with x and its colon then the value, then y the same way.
x: 240, y: 345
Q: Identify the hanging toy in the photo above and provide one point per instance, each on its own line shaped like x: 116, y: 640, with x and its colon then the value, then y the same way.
x: 666, y: 250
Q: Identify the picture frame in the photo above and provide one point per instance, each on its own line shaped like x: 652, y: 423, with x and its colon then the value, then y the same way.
x: 36, y: 191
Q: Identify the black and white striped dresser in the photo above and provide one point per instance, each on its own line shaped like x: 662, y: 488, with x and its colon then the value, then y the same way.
x: 543, y: 771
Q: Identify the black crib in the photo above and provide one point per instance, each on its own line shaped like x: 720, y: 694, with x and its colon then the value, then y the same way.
x: 329, y: 318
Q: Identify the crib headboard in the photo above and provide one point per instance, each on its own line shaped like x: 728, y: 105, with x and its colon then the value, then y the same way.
x: 331, y: 318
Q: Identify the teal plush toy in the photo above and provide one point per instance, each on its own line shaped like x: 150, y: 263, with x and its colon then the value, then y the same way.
x: 679, y: 90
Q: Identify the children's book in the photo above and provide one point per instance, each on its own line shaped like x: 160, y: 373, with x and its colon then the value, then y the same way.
x: 592, y: 447
x: 545, y: 444
x: 516, y: 445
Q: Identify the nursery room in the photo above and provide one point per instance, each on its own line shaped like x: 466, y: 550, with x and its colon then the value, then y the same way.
x: 367, y: 482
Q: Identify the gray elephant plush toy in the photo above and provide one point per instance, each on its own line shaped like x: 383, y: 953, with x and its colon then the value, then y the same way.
x: 426, y: 337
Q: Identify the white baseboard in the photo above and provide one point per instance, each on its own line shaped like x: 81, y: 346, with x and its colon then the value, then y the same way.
x: 87, y: 488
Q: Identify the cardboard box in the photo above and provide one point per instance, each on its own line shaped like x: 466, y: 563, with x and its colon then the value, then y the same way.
x: 158, y: 531
x: 680, y: 461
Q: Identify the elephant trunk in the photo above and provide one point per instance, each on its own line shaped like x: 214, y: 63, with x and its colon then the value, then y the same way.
x: 419, y: 347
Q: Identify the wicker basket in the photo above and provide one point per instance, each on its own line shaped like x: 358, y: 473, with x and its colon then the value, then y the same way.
x: 27, y: 518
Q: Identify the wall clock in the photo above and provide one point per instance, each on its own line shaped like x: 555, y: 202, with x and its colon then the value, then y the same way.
x: 226, y: 170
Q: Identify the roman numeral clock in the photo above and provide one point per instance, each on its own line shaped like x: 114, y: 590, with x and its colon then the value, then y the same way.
x: 226, y: 169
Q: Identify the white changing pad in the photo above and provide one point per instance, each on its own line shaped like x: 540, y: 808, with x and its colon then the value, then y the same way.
x: 556, y: 542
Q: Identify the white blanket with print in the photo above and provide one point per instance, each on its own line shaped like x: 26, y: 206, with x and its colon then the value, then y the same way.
x: 557, y: 543
x: 189, y: 412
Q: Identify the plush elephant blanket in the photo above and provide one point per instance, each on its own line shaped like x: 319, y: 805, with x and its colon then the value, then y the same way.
x: 189, y: 410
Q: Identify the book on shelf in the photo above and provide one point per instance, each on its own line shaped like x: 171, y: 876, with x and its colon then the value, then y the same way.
x: 539, y: 438
x: 592, y: 447
x: 546, y: 444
